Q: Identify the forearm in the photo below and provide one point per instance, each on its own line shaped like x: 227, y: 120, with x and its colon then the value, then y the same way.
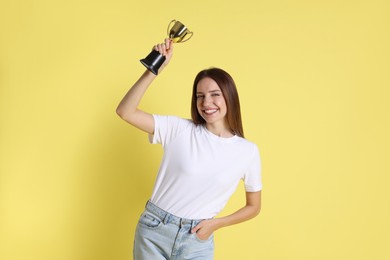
x: 251, y: 209
x: 133, y: 97
x: 245, y: 213
x: 128, y: 107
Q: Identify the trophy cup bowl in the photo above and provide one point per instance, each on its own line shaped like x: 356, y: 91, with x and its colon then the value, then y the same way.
x: 177, y: 32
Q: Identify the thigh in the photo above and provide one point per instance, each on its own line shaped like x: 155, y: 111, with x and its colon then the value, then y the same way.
x: 153, y: 239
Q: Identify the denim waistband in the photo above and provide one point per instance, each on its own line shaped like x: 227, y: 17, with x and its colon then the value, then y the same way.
x: 167, y: 217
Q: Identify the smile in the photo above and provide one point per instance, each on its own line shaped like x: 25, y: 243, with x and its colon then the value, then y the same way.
x: 210, y: 111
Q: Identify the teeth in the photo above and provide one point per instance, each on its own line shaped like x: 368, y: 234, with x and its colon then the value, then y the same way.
x: 210, y: 111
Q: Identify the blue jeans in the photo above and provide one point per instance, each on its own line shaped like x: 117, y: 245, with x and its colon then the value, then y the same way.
x: 161, y: 235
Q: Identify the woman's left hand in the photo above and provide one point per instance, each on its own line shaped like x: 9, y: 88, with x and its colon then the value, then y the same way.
x: 205, y: 228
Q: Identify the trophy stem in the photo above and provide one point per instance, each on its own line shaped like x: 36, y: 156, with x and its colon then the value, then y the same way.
x: 153, y: 61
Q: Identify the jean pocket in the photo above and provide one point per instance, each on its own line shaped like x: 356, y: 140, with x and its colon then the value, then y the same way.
x: 149, y: 220
x: 203, y: 240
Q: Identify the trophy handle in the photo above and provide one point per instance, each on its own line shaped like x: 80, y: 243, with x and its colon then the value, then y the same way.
x: 188, y: 33
x: 169, y: 25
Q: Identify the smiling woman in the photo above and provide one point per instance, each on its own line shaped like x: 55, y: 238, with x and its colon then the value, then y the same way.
x: 222, y: 92
x: 179, y: 220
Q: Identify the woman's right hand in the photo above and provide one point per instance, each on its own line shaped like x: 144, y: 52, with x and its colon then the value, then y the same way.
x: 165, y: 49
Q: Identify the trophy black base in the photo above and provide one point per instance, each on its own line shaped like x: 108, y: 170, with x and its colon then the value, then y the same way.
x: 153, y: 61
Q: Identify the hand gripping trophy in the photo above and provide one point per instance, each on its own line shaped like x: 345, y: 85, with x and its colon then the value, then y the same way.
x: 177, y: 33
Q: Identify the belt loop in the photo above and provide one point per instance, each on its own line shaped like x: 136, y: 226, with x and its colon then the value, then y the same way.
x: 166, y: 218
x: 194, y: 223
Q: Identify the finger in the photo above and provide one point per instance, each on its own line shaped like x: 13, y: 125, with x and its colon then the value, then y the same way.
x: 196, y: 228
x: 163, y: 46
x: 167, y: 46
x: 168, y: 43
x: 160, y: 48
x: 164, y: 49
x: 171, y: 44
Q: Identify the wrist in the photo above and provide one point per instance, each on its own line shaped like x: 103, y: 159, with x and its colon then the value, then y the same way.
x: 149, y: 74
x: 219, y: 223
x: 162, y: 68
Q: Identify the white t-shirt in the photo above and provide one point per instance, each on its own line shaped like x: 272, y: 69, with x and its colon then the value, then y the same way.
x: 199, y: 170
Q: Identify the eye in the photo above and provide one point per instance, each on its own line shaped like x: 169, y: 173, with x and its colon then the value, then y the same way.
x: 215, y: 95
x: 199, y: 96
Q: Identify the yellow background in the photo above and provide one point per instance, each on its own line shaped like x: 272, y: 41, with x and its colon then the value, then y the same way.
x: 313, y: 78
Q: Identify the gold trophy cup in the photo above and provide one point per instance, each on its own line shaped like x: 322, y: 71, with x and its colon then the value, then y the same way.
x: 177, y: 32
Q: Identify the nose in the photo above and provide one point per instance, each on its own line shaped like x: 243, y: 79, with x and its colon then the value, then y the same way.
x: 206, y: 100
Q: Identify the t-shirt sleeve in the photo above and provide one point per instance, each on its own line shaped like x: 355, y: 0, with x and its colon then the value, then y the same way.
x: 166, y: 128
x: 252, y: 177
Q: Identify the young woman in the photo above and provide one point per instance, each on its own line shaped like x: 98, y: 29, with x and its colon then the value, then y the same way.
x: 204, y: 160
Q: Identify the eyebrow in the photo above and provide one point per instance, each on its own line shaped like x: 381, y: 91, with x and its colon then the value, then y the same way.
x: 211, y: 91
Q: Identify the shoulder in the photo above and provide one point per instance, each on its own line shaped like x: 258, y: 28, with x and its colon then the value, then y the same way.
x: 245, y: 141
x: 249, y: 146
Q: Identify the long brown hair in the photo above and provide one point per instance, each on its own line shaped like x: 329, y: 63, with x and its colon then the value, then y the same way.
x: 229, y: 91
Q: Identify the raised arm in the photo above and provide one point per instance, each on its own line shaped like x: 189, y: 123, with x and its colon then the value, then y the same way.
x: 128, y: 108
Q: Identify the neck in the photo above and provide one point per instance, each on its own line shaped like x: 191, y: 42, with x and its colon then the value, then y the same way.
x: 221, y: 131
